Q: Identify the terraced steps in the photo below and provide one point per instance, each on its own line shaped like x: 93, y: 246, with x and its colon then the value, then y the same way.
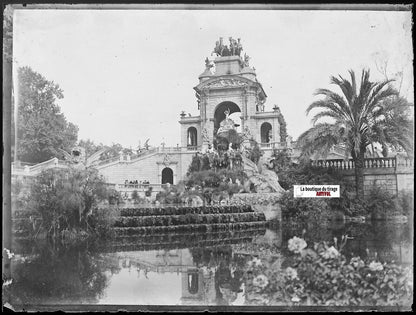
x: 148, y: 221
x: 182, y: 240
x: 172, y: 210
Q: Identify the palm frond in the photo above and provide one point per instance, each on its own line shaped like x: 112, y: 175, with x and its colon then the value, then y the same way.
x: 324, y: 114
x: 328, y: 103
x: 347, y: 88
x: 321, y: 139
x: 336, y: 99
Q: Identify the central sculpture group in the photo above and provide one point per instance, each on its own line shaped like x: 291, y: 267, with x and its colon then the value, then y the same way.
x: 222, y: 50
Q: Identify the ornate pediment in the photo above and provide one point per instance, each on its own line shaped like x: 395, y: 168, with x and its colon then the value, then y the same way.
x: 167, y: 160
x: 226, y: 83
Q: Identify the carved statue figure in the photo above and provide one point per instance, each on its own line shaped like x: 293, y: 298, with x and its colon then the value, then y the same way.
x: 239, y: 47
x: 221, y: 48
x: 146, y: 144
x: 246, y: 60
x: 208, y: 64
x: 205, y: 136
x: 209, y: 149
x: 246, y: 133
x: 263, y: 179
x: 227, y: 113
x: 227, y: 124
x: 79, y: 157
x: 233, y: 46
x: 216, y: 48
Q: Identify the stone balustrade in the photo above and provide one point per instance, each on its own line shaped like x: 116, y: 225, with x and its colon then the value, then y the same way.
x: 273, y: 145
x: 131, y: 187
x: 388, y: 162
x: 394, y: 174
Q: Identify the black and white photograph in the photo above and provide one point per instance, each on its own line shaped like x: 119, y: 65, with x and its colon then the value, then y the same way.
x: 185, y: 157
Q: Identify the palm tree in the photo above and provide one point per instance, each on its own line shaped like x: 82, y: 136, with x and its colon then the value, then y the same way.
x: 360, y: 117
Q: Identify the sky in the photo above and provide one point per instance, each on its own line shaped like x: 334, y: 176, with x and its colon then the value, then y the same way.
x: 127, y: 74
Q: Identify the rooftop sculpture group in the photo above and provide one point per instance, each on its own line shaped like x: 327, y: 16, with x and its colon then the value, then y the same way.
x: 234, y: 49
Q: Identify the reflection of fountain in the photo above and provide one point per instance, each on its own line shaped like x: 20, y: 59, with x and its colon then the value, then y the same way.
x: 198, y: 287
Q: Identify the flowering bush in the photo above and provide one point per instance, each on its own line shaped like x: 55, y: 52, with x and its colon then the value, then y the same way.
x: 296, y: 244
x: 322, y: 276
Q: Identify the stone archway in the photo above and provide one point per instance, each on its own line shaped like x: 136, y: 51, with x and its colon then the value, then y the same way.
x: 219, y: 114
x: 265, y: 132
x: 167, y: 175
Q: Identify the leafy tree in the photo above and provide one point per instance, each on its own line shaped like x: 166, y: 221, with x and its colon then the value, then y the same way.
x: 282, y: 124
x: 42, y: 128
x: 89, y: 146
x: 360, y: 117
x: 281, y: 160
x: 112, y: 151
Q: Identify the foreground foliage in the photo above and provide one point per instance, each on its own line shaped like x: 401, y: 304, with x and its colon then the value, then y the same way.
x: 320, y: 275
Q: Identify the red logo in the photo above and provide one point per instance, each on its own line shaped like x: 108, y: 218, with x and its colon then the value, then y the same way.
x: 323, y: 193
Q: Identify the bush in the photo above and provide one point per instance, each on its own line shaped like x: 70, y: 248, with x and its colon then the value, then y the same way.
x: 148, y: 192
x: 304, y: 208
x: 379, y: 203
x: 102, y: 221
x: 64, y: 198
x: 114, y: 197
x: 405, y: 203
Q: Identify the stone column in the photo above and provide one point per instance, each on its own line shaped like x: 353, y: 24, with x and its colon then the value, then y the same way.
x: 244, y: 101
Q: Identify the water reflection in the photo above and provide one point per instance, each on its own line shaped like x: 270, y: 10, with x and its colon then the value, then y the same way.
x: 206, y: 269
x: 62, y: 276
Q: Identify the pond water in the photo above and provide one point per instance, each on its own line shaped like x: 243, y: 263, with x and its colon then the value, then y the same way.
x: 180, y: 269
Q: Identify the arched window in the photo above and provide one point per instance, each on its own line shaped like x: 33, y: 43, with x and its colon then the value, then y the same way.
x: 192, y: 137
x: 266, y: 132
x: 167, y: 176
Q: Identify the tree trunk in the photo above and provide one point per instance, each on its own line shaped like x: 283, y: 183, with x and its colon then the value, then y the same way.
x: 359, y: 175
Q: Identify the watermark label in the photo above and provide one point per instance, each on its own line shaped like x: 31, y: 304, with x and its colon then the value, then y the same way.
x: 316, y: 191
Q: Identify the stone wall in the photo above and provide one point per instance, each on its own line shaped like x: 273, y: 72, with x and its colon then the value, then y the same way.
x: 148, y: 167
x: 385, y: 179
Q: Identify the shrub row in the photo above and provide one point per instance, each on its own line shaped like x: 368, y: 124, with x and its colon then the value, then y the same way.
x: 168, y: 220
x: 126, y: 231
x: 126, y: 212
